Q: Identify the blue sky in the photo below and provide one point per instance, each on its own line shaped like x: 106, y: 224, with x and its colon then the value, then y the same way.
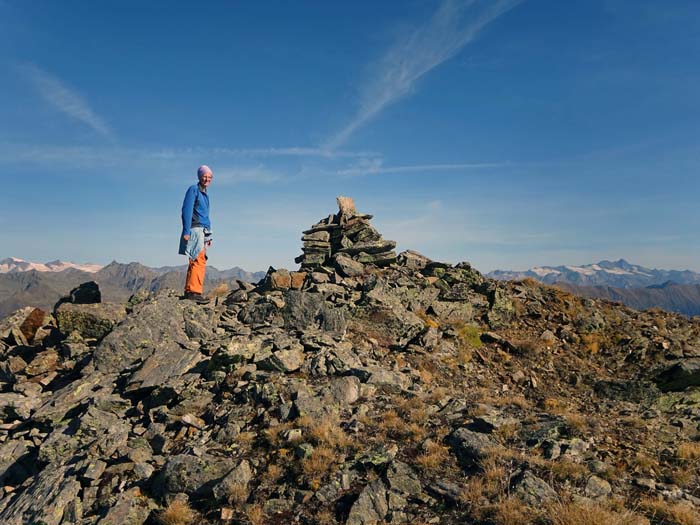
x: 506, y: 133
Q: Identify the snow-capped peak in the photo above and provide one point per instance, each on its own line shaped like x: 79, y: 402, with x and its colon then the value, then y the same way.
x: 14, y: 264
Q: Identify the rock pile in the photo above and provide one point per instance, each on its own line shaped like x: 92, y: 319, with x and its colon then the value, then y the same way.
x: 419, y: 392
x: 346, y: 241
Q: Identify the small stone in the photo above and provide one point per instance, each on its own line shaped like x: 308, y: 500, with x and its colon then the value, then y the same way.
x: 597, y: 487
x: 193, y: 421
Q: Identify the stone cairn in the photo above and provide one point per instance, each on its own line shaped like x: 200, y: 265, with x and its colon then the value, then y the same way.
x: 345, y: 241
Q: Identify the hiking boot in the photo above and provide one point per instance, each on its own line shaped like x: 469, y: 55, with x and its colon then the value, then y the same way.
x: 197, y: 297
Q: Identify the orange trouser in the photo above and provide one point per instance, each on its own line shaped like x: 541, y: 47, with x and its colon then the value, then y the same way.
x: 195, y: 273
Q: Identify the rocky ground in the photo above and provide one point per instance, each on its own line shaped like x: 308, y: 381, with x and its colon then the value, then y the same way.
x: 368, y: 388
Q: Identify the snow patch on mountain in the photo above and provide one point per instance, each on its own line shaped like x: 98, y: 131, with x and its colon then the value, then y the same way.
x: 13, y: 264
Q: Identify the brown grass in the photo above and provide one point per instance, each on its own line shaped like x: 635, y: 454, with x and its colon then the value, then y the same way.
x: 666, y: 513
x: 472, y: 494
x: 325, y: 517
x: 255, y: 515
x: 395, y: 427
x: 178, y: 512
x: 434, y: 458
x: 273, y: 473
x: 591, y: 514
x: 220, y: 290
x: 578, y: 422
x: 510, y: 511
x: 564, y: 470
x: 326, y: 432
x: 688, y: 450
x: 644, y: 463
x: 318, y: 464
x: 554, y: 405
x: 428, y: 320
x: 591, y: 342
x: 237, y: 494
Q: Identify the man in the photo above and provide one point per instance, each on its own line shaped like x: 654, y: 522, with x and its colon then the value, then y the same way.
x: 196, y: 234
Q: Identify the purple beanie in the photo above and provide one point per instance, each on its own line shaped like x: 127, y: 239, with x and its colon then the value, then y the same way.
x: 203, y: 169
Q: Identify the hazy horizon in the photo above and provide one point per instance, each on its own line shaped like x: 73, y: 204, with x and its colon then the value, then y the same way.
x: 506, y: 133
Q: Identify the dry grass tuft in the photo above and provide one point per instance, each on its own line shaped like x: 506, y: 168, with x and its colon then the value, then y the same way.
x: 319, y: 463
x: 255, y: 515
x: 591, y: 342
x: 326, y: 432
x: 591, y: 514
x: 666, y: 513
x: 237, y: 494
x: 434, y: 458
x: 273, y: 473
x: 688, y: 450
x: 473, y: 494
x: 220, y: 290
x: 643, y: 463
x: 178, y: 512
x: 565, y: 469
x: 394, y: 426
x: 510, y: 511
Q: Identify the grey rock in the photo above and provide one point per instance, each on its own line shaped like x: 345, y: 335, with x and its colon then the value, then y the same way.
x: 469, y: 447
x: 15, y: 460
x: 169, y: 362
x: 152, y: 325
x: 97, y: 433
x: 44, y: 500
x: 130, y: 508
x: 531, y: 489
x: 304, y: 310
x: 401, y: 478
x: 91, y: 321
x: 679, y: 376
x: 195, y: 476
x: 597, y: 488
x: 347, y: 266
x: 14, y: 405
x: 371, y: 506
x: 238, y: 477
x: 288, y: 360
x: 413, y: 260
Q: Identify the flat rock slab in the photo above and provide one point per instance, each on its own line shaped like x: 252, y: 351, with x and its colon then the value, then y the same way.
x: 371, y: 506
x: 131, y: 508
x: 149, y: 326
x: 44, y: 500
x: 170, y: 361
x: 69, y: 397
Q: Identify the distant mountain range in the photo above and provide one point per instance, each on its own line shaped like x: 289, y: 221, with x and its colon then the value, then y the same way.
x: 24, y: 283
x: 631, y: 284
x: 619, y: 274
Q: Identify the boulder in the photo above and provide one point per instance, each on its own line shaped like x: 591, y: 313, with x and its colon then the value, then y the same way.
x: 91, y: 321
x: 679, y: 376
x: 371, y: 506
x: 531, y: 489
x: 470, y: 447
x: 195, y: 476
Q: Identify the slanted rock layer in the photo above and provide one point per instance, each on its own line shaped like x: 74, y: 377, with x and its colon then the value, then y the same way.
x: 416, y: 392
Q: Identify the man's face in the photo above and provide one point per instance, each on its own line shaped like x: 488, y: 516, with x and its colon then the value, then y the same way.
x: 205, y: 180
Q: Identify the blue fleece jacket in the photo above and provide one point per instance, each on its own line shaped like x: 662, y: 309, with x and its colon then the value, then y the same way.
x: 195, y: 209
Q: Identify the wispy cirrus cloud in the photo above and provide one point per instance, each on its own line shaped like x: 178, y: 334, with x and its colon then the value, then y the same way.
x: 65, y: 99
x: 376, y: 166
x: 452, y: 26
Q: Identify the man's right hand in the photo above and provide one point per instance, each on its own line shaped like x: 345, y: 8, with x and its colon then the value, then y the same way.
x: 186, y: 237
